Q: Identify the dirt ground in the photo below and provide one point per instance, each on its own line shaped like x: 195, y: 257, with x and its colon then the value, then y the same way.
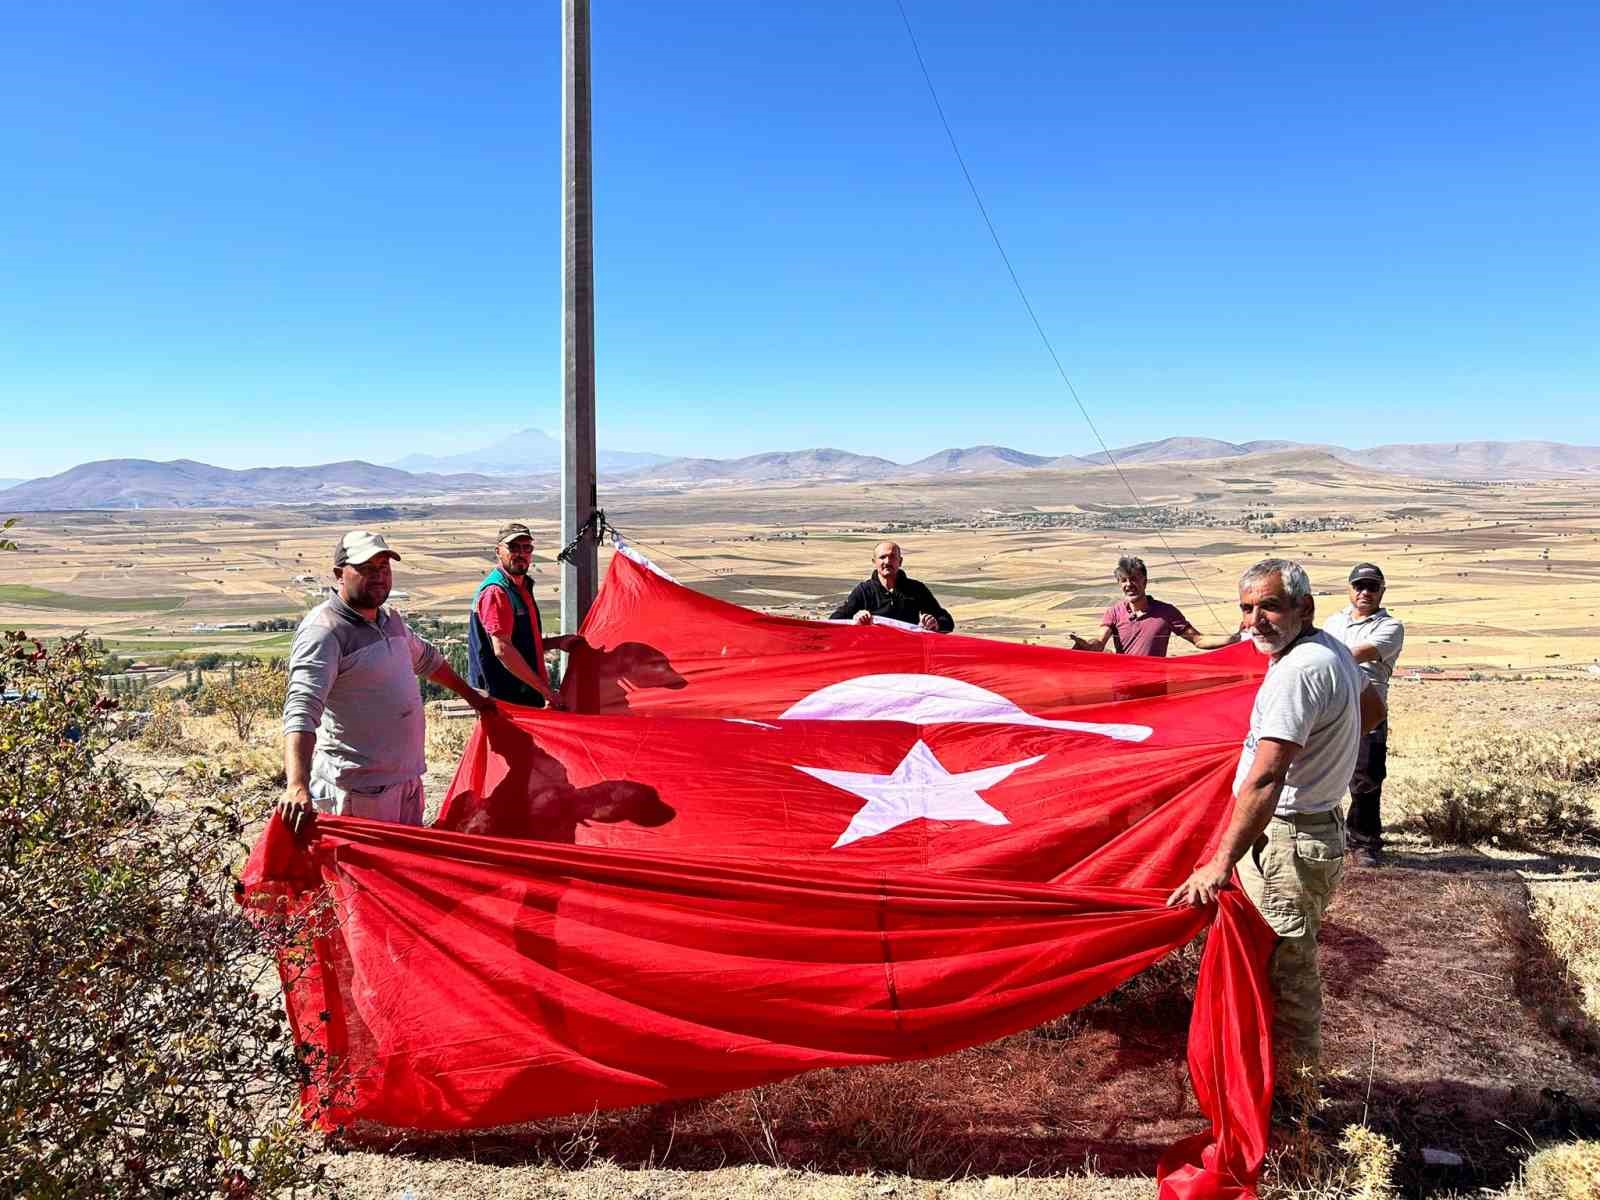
x: 1421, y: 710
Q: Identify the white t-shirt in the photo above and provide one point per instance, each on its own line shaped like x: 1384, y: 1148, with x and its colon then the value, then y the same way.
x: 1380, y: 630
x: 1311, y: 696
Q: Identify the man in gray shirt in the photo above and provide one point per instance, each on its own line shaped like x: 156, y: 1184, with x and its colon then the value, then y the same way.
x: 1374, y: 638
x: 1286, y: 831
x: 353, y: 722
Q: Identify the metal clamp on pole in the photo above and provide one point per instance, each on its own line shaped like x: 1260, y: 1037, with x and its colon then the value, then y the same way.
x: 593, y: 527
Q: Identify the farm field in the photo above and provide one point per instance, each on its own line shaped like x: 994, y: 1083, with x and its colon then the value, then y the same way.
x: 1487, y: 577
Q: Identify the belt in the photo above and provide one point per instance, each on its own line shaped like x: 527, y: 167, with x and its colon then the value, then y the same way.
x: 1310, y: 820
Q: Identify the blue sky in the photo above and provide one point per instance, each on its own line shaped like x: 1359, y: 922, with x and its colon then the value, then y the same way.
x: 265, y: 234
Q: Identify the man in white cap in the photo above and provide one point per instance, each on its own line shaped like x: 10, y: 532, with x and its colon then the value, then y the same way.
x: 352, y: 722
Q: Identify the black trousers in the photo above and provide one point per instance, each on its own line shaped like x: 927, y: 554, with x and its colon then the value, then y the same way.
x: 1366, y: 788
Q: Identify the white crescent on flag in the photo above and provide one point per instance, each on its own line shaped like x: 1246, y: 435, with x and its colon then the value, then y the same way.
x: 935, y: 700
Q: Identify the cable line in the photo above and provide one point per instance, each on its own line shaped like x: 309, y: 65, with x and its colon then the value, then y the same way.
x: 1032, y: 316
x: 655, y: 552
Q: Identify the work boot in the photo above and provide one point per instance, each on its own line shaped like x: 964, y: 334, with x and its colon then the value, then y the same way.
x: 1366, y: 856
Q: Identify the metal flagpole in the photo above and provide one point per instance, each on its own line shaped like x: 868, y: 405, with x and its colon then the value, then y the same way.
x: 580, y: 575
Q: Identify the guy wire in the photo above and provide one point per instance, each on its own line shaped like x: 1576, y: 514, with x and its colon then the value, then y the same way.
x: 658, y: 552
x: 1023, y: 295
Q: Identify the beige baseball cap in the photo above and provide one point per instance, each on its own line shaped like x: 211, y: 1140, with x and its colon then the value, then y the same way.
x: 359, y: 546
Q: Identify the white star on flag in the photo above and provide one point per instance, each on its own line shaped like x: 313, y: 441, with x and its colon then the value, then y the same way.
x: 919, y: 787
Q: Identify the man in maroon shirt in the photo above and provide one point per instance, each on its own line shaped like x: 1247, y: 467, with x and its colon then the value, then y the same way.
x: 1141, y: 624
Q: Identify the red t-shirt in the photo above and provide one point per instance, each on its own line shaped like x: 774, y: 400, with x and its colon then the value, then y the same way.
x: 1145, y: 632
x: 498, y: 617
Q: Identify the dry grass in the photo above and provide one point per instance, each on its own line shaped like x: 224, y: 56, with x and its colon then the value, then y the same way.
x: 382, y: 1177
x: 1570, y: 1171
x: 165, y: 732
x: 175, y: 732
x: 1569, y: 918
x: 259, y: 756
x: 447, y: 737
x: 1525, y: 789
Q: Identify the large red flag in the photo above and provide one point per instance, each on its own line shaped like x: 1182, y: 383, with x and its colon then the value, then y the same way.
x: 742, y: 895
x: 653, y: 646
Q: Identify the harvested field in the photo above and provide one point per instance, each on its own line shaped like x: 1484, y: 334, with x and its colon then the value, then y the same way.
x: 1448, y: 549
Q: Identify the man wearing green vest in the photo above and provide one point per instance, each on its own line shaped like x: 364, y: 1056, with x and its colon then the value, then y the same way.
x: 505, y: 646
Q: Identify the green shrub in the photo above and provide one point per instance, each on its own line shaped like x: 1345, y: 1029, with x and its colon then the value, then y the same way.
x: 143, y: 1047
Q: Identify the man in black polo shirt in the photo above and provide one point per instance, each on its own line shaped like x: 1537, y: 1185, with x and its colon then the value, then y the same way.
x: 890, y: 592
x: 505, y: 646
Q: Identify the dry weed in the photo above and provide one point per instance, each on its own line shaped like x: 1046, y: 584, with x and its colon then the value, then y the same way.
x: 1523, y: 789
x: 1308, y: 1165
x: 258, y: 759
x: 164, y: 731
x: 1569, y: 918
x: 1369, y: 1163
x: 1570, y: 1171
x: 447, y: 735
x: 245, y: 697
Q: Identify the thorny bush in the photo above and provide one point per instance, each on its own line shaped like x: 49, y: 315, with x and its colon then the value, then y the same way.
x: 143, y: 1047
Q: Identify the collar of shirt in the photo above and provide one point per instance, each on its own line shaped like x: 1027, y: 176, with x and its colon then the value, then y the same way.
x: 1133, y: 613
x: 337, y: 603
x: 1352, y: 619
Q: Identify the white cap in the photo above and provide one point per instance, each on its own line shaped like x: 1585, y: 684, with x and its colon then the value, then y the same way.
x: 359, y: 546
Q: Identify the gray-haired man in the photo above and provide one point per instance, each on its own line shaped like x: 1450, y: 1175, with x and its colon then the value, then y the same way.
x: 1286, y: 832
x: 352, y: 722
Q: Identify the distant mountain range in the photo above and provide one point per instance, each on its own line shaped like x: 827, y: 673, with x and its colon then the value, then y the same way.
x: 5, y: 483
x: 526, y: 452
x: 123, y: 483
x: 1185, y: 449
x: 1441, y: 460
x: 183, y: 483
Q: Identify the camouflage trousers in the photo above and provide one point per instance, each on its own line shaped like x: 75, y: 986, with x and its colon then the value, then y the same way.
x: 1290, y: 874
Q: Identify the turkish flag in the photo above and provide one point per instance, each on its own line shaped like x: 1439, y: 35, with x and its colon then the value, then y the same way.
x: 651, y: 646
x: 1124, y: 808
x: 945, y: 840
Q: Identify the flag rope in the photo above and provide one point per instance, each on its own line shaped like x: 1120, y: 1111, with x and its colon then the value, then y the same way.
x: 1032, y: 316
